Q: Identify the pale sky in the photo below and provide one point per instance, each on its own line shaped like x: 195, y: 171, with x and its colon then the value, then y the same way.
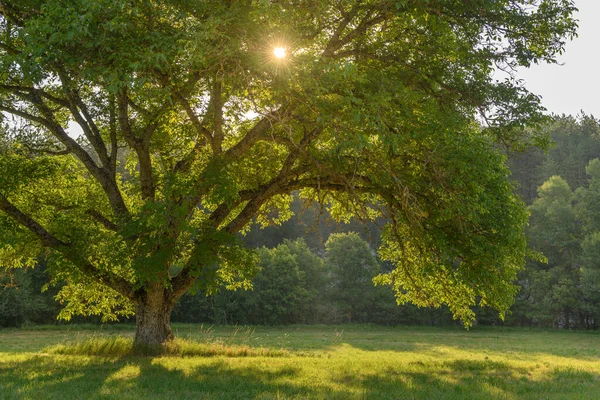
x: 575, y: 85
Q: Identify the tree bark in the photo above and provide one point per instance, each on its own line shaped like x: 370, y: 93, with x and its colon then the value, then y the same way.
x: 153, y: 317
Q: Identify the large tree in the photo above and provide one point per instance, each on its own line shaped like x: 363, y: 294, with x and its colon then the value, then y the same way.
x: 199, y: 117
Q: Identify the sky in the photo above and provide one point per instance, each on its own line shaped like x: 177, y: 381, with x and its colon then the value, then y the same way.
x: 573, y: 86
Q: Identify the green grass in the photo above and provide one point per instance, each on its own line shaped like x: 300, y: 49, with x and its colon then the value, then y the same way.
x: 301, y: 362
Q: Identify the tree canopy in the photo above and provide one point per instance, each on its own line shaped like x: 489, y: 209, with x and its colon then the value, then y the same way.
x: 192, y: 129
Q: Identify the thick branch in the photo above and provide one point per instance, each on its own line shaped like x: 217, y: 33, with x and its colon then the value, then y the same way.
x: 140, y: 145
x: 49, y: 240
x: 103, y: 176
x: 146, y: 179
x: 123, y: 110
x: 217, y: 105
x: 82, y: 116
x: 47, y: 120
x: 21, y: 90
x: 337, y: 42
x: 112, y: 121
x: 181, y: 283
x: 255, y: 134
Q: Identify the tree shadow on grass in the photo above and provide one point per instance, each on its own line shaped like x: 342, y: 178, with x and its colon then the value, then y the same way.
x: 468, y: 379
x: 64, y: 378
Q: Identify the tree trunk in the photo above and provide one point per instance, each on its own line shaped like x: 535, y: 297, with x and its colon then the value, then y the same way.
x: 153, y: 317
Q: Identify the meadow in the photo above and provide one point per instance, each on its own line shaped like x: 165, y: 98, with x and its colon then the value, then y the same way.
x: 301, y: 362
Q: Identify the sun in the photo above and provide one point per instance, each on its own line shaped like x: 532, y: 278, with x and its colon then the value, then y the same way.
x: 279, y: 52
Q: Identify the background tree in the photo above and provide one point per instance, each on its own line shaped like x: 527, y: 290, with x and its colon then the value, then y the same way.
x: 590, y: 280
x: 22, y: 300
x: 280, y: 288
x: 575, y: 141
x: 288, y: 288
x: 191, y: 128
x: 352, y: 267
x: 588, y: 213
x: 554, y: 231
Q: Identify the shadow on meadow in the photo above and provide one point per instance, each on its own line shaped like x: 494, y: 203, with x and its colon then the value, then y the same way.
x: 44, y: 377
x: 468, y: 379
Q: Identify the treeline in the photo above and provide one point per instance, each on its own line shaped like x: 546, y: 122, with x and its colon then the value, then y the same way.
x: 562, y: 188
x: 313, y: 270
x: 297, y: 286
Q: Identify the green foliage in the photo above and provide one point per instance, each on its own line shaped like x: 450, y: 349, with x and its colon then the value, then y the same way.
x: 21, y: 300
x: 587, y: 208
x: 93, y: 300
x: 351, y: 268
x: 280, y: 288
x: 555, y: 232
x: 554, y: 224
x: 192, y: 130
x: 575, y: 142
x: 295, y: 285
x: 458, y: 239
x: 590, y: 274
x: 14, y: 300
x: 564, y: 227
x: 285, y: 290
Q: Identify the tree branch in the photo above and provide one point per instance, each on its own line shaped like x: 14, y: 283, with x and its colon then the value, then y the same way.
x: 335, y: 38
x: 257, y: 197
x: 108, y: 224
x: 112, y: 122
x: 337, y: 42
x: 140, y: 145
x: 181, y: 283
x: 217, y: 105
x: 21, y: 90
x: 255, y: 134
x: 108, y: 184
x: 200, y: 128
x: 85, y: 120
x: 48, y: 240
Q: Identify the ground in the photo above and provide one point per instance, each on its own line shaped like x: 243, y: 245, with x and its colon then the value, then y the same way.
x: 301, y: 362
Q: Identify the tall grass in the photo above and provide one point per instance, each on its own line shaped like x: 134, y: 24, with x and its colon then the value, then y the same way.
x: 124, y: 347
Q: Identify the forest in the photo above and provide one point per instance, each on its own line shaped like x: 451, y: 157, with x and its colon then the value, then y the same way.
x: 313, y: 270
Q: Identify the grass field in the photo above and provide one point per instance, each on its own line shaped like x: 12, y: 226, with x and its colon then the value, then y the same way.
x: 301, y: 362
